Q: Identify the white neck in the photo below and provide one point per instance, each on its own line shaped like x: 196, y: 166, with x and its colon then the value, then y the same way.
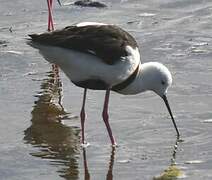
x: 147, y: 79
x: 137, y: 86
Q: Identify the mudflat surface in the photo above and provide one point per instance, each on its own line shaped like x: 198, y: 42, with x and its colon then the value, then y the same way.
x: 39, y: 124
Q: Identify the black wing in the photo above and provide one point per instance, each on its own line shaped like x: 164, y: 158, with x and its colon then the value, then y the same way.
x: 107, y: 42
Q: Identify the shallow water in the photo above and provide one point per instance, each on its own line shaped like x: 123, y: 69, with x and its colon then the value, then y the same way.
x: 40, y: 128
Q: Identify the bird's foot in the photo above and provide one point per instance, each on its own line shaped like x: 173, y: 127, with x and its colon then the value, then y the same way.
x: 85, y: 144
x: 114, y: 145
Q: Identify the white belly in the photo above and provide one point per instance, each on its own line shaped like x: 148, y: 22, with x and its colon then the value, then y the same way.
x: 82, y: 66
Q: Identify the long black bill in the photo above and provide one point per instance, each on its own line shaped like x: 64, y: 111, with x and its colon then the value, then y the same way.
x: 59, y: 2
x: 170, y: 112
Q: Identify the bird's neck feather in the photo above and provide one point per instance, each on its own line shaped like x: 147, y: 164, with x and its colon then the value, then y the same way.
x: 139, y: 84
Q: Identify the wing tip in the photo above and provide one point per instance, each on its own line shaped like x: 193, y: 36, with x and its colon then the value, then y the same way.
x: 33, y: 36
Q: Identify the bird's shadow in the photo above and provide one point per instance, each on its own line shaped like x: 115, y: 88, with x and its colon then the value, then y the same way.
x: 52, y: 139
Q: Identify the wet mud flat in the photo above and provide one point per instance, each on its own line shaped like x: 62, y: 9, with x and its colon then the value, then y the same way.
x: 40, y: 127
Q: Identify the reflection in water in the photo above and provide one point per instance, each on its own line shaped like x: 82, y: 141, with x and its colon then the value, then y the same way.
x: 172, y: 172
x: 110, y: 169
x: 60, y: 143
x: 55, y: 141
x: 111, y: 163
x: 174, y: 153
x: 86, y: 171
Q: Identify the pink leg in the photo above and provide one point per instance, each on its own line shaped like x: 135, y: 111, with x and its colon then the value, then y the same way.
x: 55, y: 68
x: 106, y: 117
x: 52, y: 24
x: 82, y: 116
x: 50, y: 20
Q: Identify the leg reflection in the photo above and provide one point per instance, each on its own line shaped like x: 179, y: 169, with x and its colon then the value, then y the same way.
x: 111, y: 163
x: 109, y: 175
x: 87, y: 175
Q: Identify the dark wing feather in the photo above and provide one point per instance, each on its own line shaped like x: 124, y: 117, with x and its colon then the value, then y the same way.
x: 108, y: 42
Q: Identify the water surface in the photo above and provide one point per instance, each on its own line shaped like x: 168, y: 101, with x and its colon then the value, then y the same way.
x: 40, y: 127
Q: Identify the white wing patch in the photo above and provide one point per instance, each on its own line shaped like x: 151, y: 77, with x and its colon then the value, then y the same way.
x: 82, y: 24
x: 133, y: 56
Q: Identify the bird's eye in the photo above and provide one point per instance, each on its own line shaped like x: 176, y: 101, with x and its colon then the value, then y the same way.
x: 163, y: 82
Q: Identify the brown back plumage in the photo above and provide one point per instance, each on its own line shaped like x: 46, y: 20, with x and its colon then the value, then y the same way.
x: 107, y: 42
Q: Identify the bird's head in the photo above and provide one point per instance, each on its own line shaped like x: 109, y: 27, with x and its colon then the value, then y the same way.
x: 157, y: 78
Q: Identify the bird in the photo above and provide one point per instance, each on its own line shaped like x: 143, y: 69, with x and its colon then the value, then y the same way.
x: 100, y: 56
